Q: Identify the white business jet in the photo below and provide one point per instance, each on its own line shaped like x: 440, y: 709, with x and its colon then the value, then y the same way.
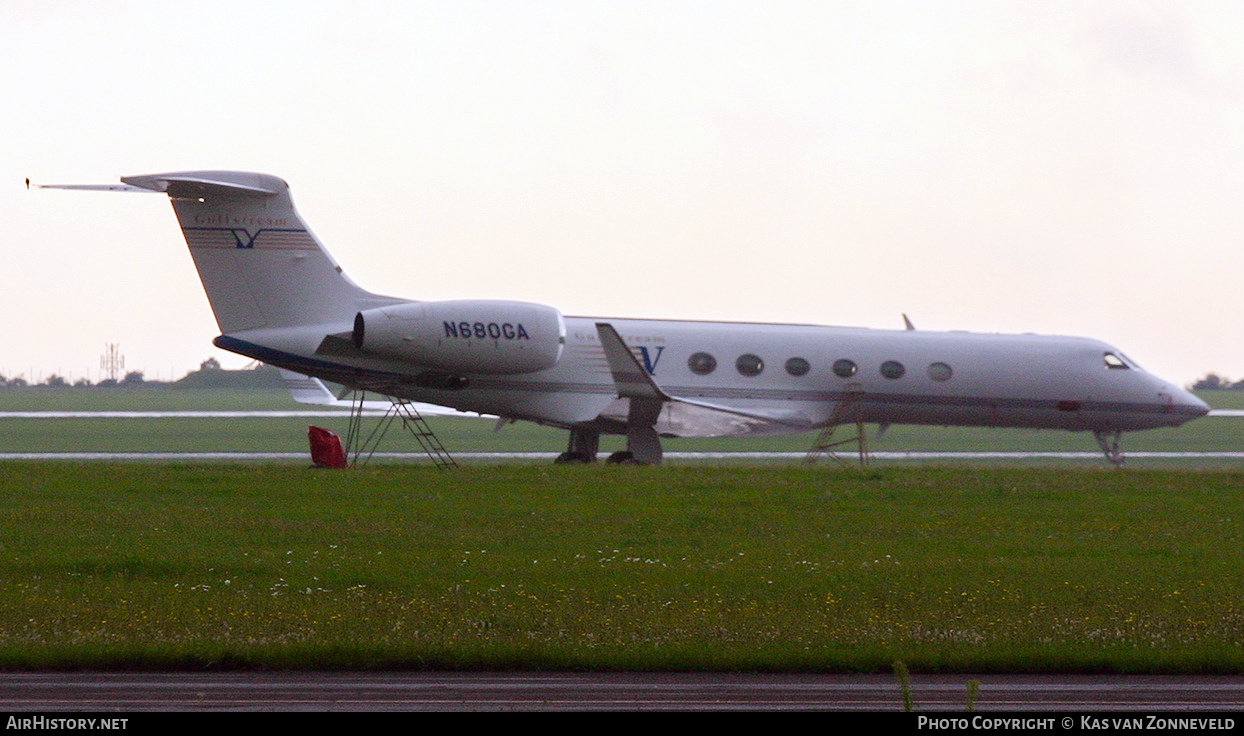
x: 280, y: 298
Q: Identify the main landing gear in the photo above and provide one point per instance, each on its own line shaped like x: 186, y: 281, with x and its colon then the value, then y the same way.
x: 584, y: 446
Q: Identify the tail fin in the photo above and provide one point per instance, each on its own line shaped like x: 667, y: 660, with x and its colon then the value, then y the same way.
x: 259, y: 263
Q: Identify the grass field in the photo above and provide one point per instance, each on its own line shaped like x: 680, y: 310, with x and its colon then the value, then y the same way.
x: 781, y: 567
x: 124, y: 565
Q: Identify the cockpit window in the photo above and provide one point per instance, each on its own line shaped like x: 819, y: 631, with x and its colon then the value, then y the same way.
x: 1114, y: 362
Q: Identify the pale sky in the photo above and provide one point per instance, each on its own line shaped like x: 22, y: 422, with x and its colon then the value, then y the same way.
x: 1054, y: 167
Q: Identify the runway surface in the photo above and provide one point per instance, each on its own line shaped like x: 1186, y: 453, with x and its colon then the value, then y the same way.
x: 313, y: 691
x: 548, y: 456
x: 335, y: 412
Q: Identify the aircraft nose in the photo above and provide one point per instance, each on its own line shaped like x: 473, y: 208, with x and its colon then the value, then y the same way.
x: 1187, y: 406
x: 1201, y: 407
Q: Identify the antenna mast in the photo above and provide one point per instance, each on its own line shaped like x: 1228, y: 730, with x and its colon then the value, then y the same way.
x: 112, y: 362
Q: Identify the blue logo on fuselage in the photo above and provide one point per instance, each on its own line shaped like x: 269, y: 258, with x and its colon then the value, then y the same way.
x: 650, y: 361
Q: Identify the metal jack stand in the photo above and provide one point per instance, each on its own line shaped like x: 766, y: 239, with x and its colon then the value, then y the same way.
x: 361, y: 450
x: 825, y: 444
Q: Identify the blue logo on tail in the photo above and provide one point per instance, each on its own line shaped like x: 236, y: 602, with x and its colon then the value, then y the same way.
x: 242, y: 238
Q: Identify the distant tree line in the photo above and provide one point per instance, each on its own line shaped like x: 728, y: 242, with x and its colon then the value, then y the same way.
x: 1215, y: 382
x: 133, y: 378
x: 209, y: 375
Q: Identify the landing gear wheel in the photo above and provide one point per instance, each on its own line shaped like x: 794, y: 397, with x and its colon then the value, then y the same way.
x: 1109, y: 443
x: 572, y: 458
x: 622, y: 457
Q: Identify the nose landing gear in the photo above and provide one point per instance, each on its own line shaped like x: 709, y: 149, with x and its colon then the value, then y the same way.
x: 1108, y: 441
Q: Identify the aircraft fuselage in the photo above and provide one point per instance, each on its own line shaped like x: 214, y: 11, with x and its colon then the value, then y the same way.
x: 795, y: 374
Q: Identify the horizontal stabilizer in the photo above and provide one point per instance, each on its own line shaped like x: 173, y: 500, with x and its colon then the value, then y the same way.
x: 96, y: 187
x: 190, y: 184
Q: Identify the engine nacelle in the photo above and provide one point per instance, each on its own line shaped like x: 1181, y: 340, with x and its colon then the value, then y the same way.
x: 468, y: 336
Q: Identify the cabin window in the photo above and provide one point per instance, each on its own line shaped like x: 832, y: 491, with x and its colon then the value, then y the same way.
x: 939, y: 371
x: 892, y: 369
x: 1114, y: 362
x: 797, y: 366
x: 702, y: 364
x: 749, y: 365
x: 844, y: 368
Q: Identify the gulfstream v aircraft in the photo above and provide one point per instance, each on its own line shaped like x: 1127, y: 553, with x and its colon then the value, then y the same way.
x: 279, y: 297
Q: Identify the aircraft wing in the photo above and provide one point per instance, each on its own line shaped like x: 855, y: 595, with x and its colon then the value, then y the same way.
x: 707, y: 413
x: 306, y: 390
x: 690, y: 417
